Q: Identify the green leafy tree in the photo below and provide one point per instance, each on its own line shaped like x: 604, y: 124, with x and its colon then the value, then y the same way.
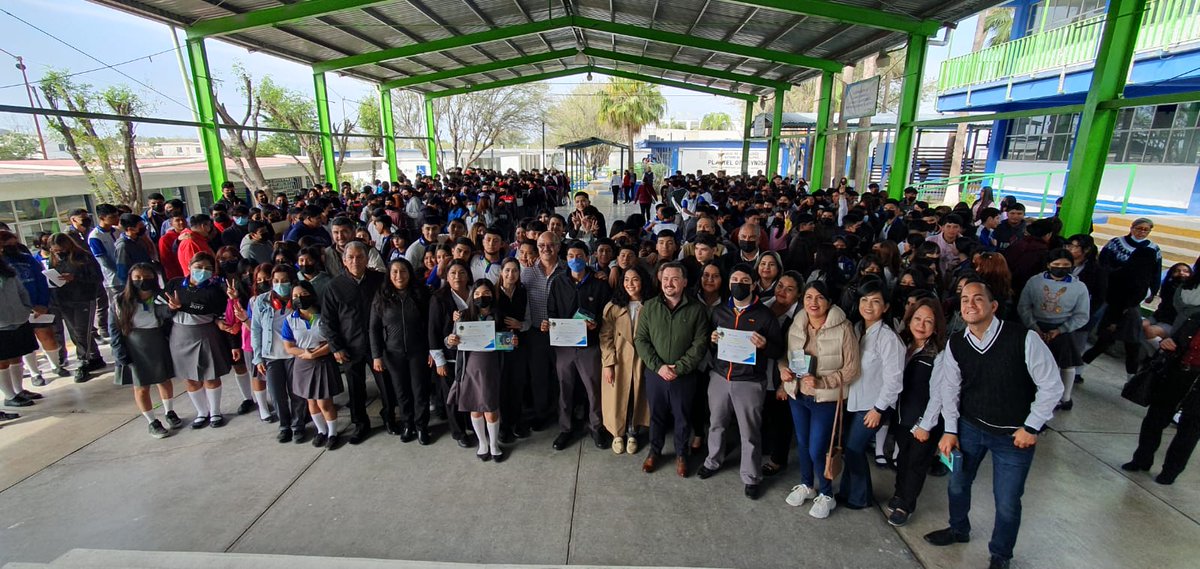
x: 631, y: 105
x: 107, y: 156
x: 576, y: 117
x: 286, y: 108
x: 243, y: 146
x: 997, y: 25
x: 716, y: 121
x: 16, y: 145
x: 371, y: 122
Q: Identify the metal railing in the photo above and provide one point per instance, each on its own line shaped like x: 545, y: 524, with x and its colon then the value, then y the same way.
x: 1167, y: 23
x: 1038, y: 184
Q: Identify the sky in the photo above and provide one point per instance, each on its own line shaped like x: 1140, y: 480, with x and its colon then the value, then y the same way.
x: 107, y: 47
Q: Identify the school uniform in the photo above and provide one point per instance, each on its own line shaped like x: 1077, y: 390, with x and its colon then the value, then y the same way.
x: 316, y: 379
x: 267, y: 314
x: 139, y: 353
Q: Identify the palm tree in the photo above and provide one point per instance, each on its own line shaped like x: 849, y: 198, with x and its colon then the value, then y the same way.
x: 630, y: 105
x: 997, y: 25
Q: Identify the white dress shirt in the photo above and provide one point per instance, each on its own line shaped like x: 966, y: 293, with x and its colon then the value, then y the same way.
x: 882, y: 376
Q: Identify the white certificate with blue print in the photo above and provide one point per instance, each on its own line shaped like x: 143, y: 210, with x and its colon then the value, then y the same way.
x: 568, y: 332
x: 476, y: 336
x: 734, y: 346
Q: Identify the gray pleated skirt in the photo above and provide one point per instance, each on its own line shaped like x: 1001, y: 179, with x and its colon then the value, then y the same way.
x: 199, y: 352
x: 316, y: 379
x: 149, y: 367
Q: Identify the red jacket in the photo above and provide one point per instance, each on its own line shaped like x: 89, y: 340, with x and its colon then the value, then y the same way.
x: 167, y: 256
x: 189, y: 245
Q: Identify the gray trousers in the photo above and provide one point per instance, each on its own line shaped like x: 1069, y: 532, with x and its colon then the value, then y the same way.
x: 578, y: 364
x: 743, y: 400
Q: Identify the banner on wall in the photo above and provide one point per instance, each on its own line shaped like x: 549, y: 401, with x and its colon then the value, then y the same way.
x: 691, y: 160
x: 861, y: 98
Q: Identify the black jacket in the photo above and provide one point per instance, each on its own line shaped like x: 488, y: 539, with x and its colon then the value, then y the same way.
x: 397, y: 326
x: 568, y: 297
x: 82, y: 287
x: 896, y: 233
x: 755, y: 318
x: 914, y: 396
x: 346, y: 312
x: 202, y: 301
x: 441, y: 322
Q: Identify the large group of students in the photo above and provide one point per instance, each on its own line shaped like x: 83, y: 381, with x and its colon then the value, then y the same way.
x: 872, y: 329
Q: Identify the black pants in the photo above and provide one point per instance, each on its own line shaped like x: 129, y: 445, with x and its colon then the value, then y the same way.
x: 1108, y: 330
x: 699, y: 414
x: 616, y: 190
x: 670, y: 402
x: 292, y: 410
x: 355, y: 370
x: 514, y: 379
x: 441, y: 389
x: 1172, y: 392
x: 78, y: 317
x: 912, y: 465
x: 645, y: 207
x: 778, y: 429
x: 542, y: 385
x: 409, y: 377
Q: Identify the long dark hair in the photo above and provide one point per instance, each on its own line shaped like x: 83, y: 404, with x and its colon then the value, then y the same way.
x: 389, y: 295
x: 937, y: 342
x: 6, y: 270
x: 129, y: 298
x: 472, y: 313
x: 620, y: 296
x: 72, y: 252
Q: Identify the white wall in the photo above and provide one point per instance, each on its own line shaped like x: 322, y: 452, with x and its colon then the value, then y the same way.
x: 1154, y: 184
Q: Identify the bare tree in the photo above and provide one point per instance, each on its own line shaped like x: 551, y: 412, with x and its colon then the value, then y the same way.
x: 242, y: 144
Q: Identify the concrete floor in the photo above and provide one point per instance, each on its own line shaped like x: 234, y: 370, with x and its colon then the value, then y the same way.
x: 78, y: 470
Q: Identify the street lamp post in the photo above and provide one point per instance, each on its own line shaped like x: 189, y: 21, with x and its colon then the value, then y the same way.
x: 29, y: 92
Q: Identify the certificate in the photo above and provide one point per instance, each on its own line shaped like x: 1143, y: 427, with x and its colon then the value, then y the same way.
x: 568, y: 332
x: 800, y: 363
x: 54, y: 277
x: 476, y: 336
x: 734, y: 346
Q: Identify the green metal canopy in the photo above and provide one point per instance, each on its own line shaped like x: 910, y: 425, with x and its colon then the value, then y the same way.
x: 590, y: 142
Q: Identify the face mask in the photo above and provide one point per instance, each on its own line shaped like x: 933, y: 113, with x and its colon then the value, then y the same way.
x: 1138, y: 239
x: 241, y: 220
x: 262, y: 287
x: 748, y: 246
x: 827, y: 222
x: 146, y: 285
x: 281, y: 289
x: 904, y: 290
x: 303, y: 302
x: 471, y: 208
x: 229, y: 267
x: 886, y: 215
x: 200, y: 275
x: 740, y: 291
x: 1059, y: 272
x: 577, y: 265
x: 483, y: 302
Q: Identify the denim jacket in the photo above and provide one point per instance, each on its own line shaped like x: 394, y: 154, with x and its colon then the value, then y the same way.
x: 262, y: 330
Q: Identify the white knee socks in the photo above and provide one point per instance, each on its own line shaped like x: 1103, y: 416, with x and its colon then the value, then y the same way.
x: 5, y: 384
x: 319, y: 421
x: 331, y: 426
x: 493, y: 431
x: 243, y: 381
x: 31, y: 363
x: 480, y: 432
x: 214, y: 399
x: 1068, y: 379
x: 149, y: 415
x: 264, y: 407
x: 199, y: 402
x: 16, y: 376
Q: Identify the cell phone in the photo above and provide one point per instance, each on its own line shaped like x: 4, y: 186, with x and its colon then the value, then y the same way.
x: 953, y: 461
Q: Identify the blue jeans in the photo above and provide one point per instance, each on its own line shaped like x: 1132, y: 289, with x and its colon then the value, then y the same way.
x: 856, y: 479
x: 1010, y: 467
x: 814, y: 424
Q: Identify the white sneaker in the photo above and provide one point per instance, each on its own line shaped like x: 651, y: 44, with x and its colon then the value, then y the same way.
x: 821, y: 507
x: 799, y: 494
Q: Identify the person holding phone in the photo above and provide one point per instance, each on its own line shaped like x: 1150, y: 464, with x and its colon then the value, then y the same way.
x: 999, y: 385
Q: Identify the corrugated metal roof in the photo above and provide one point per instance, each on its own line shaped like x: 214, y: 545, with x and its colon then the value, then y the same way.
x: 406, y: 22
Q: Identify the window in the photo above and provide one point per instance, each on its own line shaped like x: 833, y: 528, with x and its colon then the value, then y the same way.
x: 1165, y: 134
x: 1058, y: 13
x: 68, y: 203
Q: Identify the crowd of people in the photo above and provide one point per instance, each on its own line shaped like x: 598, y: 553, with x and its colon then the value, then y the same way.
x: 856, y: 327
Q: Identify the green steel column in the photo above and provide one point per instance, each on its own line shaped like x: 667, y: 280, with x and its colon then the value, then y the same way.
x: 746, y: 137
x: 431, y: 133
x: 817, y: 154
x: 1113, y: 58
x: 387, y: 124
x: 776, y: 127
x: 210, y: 134
x: 910, y: 99
x: 326, y: 129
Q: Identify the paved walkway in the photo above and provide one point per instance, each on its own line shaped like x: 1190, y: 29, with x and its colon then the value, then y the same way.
x: 79, y: 471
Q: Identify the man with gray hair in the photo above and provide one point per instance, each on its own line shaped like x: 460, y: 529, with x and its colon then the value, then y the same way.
x: 535, y: 342
x: 1134, y: 264
x: 345, y: 310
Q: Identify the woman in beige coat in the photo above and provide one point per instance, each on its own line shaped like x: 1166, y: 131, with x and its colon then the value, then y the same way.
x: 622, y: 392
x: 823, y: 334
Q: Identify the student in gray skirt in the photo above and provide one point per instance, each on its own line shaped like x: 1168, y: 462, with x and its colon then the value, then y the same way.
x: 138, y: 328
x: 478, y: 385
x: 315, y: 374
x: 199, y: 350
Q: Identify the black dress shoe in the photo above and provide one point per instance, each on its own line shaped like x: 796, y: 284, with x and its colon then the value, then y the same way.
x: 285, y: 436
x: 393, y: 427
x: 298, y: 435
x: 333, y: 443
x: 752, y: 491
x: 199, y: 422
x: 523, y: 432
x: 361, y: 432
x: 484, y: 457
x: 1166, y: 478
x: 272, y: 418
x: 946, y: 536
x: 423, y: 437
x: 408, y: 434
x: 507, y: 436
x: 463, y: 442
x: 246, y: 407
x: 30, y: 395
x: 562, y: 440
x: 998, y: 563
x: 1133, y: 466
x: 705, y: 473
x: 498, y: 458
x: 320, y: 440
x: 216, y: 421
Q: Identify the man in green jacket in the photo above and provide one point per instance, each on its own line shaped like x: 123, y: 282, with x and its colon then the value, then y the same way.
x: 671, y: 338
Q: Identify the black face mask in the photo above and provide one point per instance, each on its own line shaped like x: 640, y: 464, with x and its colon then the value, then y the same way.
x: 262, y: 287
x: 740, y: 291
x: 146, y: 285
x: 748, y: 246
x: 483, y: 302
x: 827, y: 222
x: 303, y: 302
x: 309, y: 269
x: 1059, y: 272
x: 886, y: 215
x: 229, y: 267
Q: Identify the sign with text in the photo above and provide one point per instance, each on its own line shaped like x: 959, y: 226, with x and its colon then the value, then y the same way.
x: 861, y: 98
x: 691, y: 159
